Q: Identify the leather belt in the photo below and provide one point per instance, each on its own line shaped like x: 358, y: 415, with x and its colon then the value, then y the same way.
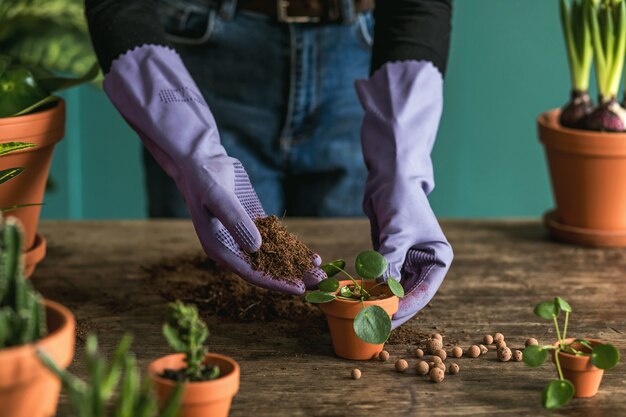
x: 304, y: 11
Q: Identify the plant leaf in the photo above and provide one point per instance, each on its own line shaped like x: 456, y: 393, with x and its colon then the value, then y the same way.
x: 35, y: 106
x: 557, y: 393
x: 7, y: 174
x: 372, y: 325
x: 329, y: 285
x: 345, y: 291
x: 8, y: 147
x: 5, y: 61
x: 19, y: 90
x: 18, y: 206
x: 395, y: 287
x: 535, y: 356
x: 546, y: 310
x: 370, y: 264
x: 605, y: 356
x: 318, y: 297
x: 333, y: 268
x: 562, y: 305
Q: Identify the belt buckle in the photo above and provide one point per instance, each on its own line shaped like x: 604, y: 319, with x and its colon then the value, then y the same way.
x: 282, y: 6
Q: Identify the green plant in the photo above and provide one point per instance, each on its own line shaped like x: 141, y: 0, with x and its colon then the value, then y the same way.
x: 559, y: 392
x: 22, y: 313
x: 10, y: 173
x: 372, y: 324
x: 578, y: 41
x: 91, y: 398
x: 186, y: 333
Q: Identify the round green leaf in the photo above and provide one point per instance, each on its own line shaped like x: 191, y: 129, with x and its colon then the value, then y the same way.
x: 370, y: 264
x: 546, y: 310
x: 535, y: 355
x: 345, y: 291
x: 557, y: 393
x: 562, y: 305
x: 318, y: 297
x: 329, y: 285
x: 372, y: 325
x: 334, y: 267
x: 395, y: 287
x: 605, y: 356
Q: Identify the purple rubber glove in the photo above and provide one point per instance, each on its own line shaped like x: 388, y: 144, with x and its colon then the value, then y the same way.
x: 152, y: 89
x: 403, y: 103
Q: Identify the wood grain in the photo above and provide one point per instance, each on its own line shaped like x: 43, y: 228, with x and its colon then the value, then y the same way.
x: 501, y: 269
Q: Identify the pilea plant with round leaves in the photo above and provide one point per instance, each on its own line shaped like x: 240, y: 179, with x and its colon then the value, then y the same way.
x: 560, y: 391
x: 372, y: 324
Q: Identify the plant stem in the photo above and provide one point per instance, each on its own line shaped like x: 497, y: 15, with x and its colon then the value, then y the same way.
x: 565, y: 325
x: 558, y: 363
x: 558, y: 333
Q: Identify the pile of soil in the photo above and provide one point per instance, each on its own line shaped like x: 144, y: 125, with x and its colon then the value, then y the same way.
x: 281, y: 255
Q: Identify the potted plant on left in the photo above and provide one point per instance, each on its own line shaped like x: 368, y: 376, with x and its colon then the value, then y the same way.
x: 28, y: 323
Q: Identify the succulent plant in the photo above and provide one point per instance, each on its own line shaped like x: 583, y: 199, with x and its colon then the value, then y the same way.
x: 22, y: 313
x: 134, y: 396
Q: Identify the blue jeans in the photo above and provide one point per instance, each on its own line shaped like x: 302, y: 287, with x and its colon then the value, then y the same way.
x: 284, y: 101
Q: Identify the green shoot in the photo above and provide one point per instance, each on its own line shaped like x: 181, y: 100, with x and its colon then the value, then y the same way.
x: 578, y: 41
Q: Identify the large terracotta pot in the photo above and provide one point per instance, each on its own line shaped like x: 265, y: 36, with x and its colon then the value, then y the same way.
x: 340, y: 315
x: 588, y: 173
x: 27, y: 388
x: 44, y: 129
x: 580, y: 371
x: 199, y: 399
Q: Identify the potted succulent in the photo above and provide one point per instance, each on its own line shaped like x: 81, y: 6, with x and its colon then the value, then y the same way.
x: 209, y: 380
x: 585, y: 145
x: 28, y: 323
x: 359, y: 309
x: 120, y: 379
x: 38, y: 38
x: 580, y: 363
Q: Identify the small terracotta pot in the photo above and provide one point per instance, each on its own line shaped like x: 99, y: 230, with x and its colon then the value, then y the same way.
x: 588, y: 173
x: 44, y: 129
x: 340, y: 315
x: 579, y: 370
x: 200, y: 399
x: 27, y: 388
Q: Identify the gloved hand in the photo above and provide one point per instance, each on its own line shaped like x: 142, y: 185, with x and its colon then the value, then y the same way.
x: 152, y: 89
x: 403, y: 103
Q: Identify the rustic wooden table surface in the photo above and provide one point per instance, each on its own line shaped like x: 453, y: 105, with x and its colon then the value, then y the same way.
x: 501, y: 269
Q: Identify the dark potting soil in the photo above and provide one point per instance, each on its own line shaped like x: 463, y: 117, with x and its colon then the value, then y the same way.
x: 209, y: 373
x: 282, y: 255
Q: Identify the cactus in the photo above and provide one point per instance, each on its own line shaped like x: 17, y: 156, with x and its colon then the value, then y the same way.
x: 91, y: 398
x: 186, y: 333
x: 22, y: 313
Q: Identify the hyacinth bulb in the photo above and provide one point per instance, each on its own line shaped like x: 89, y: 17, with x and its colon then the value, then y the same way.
x: 576, y: 110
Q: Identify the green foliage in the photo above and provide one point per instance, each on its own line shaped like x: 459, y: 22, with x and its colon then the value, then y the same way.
x: 370, y: 264
x: 334, y: 267
x: 605, y: 356
x: 578, y: 41
x: 186, y: 333
x: 120, y: 379
x: 372, y: 325
x: 535, y: 356
x: 22, y: 313
x: 557, y: 393
x: 329, y: 285
x: 10, y: 173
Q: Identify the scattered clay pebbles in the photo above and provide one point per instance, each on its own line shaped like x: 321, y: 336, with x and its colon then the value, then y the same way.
x: 441, y: 354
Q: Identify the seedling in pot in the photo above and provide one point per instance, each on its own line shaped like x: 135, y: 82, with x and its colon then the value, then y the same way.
x: 186, y: 333
x: 372, y: 324
x: 604, y: 356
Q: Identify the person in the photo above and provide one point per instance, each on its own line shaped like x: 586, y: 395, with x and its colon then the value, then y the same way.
x: 269, y: 85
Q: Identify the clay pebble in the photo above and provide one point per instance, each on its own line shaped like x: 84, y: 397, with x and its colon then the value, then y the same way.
x: 419, y: 353
x: 473, y: 351
x: 457, y: 352
x: 453, y: 369
x: 488, y: 339
x: 483, y: 349
x: 500, y: 344
x: 531, y: 342
x: 355, y: 374
x: 498, y: 336
x: 518, y: 355
x: 504, y: 354
x: 383, y: 356
x: 436, y: 336
x: 434, y: 345
x: 436, y: 375
x: 441, y: 354
x: 401, y: 365
x: 436, y: 359
x: 422, y: 368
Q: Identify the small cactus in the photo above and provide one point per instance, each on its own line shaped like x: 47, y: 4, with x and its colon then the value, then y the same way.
x: 186, y: 333
x: 22, y: 312
x: 91, y: 398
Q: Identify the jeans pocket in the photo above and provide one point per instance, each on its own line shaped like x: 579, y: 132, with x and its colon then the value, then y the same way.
x: 364, y: 27
x: 188, y: 22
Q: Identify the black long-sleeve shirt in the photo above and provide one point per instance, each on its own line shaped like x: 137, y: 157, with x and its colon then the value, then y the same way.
x: 404, y: 29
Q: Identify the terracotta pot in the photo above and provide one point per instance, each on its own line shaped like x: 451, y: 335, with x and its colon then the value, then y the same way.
x: 340, y: 315
x: 579, y: 370
x: 44, y: 129
x: 200, y: 399
x: 27, y: 388
x: 588, y: 173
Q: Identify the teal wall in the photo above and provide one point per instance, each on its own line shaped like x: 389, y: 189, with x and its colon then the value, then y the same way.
x: 507, y: 64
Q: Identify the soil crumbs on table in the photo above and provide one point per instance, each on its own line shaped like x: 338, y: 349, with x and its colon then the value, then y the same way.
x: 220, y: 293
x: 281, y: 254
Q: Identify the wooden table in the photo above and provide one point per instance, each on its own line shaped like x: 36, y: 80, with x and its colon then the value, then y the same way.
x: 501, y: 269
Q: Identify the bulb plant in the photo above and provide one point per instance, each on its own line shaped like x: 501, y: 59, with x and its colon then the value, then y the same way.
x: 372, y: 324
x: 560, y: 391
x: 119, y: 379
x: 186, y: 333
x: 22, y: 312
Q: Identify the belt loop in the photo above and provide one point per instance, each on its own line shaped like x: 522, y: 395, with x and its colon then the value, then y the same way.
x: 347, y: 11
x: 228, y: 9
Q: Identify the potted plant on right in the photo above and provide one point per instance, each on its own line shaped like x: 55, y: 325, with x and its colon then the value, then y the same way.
x: 585, y: 145
x: 28, y: 323
x: 358, y: 309
x: 580, y: 363
x: 209, y: 380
